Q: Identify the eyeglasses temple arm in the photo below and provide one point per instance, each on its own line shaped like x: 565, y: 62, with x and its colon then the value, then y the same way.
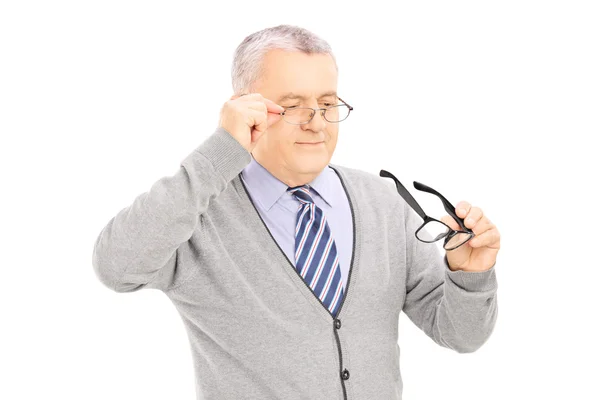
x: 349, y: 106
x: 405, y: 194
x: 450, y: 209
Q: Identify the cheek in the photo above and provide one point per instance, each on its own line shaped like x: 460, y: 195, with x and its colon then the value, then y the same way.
x: 279, y: 138
x: 285, y: 145
x: 332, y: 141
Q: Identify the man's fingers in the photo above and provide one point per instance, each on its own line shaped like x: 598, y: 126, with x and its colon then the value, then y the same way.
x: 482, y: 225
x: 258, y: 106
x: 473, y: 217
x: 272, y: 118
x: 273, y: 107
x: 448, y: 220
x: 264, y: 124
x: 462, y: 209
x: 260, y: 123
x: 490, y: 238
x: 263, y: 113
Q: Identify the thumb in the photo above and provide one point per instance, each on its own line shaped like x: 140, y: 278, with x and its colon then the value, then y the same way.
x: 272, y: 118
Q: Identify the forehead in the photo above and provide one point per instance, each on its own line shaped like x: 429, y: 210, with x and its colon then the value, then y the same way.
x: 298, y: 96
x: 296, y: 75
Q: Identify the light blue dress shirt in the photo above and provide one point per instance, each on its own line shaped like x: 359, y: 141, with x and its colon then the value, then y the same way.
x: 278, y: 208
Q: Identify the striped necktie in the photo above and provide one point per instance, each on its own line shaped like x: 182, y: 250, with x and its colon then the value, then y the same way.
x: 315, y: 251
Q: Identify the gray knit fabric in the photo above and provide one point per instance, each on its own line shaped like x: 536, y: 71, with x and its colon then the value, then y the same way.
x: 256, y: 329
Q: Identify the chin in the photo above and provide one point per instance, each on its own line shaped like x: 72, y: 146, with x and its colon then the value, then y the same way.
x: 312, y: 165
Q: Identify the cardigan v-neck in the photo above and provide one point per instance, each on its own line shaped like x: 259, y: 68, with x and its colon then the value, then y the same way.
x: 278, y: 209
x: 252, y: 210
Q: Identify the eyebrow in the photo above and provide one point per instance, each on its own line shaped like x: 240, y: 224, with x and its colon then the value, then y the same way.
x: 289, y: 96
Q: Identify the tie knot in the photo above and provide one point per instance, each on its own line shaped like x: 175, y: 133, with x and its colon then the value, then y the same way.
x: 302, y: 193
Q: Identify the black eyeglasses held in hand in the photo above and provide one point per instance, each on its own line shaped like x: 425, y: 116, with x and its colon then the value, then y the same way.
x: 454, y: 238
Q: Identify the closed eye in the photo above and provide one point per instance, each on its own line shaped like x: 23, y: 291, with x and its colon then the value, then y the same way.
x: 324, y: 104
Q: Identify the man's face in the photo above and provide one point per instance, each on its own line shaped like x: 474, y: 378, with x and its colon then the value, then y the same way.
x: 281, y: 147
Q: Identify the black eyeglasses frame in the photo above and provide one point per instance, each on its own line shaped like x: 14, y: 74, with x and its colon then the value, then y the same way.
x: 447, y: 206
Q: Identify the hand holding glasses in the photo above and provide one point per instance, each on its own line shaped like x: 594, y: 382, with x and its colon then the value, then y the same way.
x: 453, y: 238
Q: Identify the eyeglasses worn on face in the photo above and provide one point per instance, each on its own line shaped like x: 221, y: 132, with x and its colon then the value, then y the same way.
x: 303, y: 115
x: 453, y: 238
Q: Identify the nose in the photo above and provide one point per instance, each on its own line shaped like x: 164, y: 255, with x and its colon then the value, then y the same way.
x: 317, y: 124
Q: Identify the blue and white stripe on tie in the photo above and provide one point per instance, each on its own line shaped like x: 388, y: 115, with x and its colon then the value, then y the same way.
x: 315, y: 252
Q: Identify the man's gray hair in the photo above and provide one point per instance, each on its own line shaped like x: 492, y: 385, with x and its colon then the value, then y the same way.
x: 247, y: 66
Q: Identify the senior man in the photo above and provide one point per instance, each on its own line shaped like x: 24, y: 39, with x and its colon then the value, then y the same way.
x: 290, y: 272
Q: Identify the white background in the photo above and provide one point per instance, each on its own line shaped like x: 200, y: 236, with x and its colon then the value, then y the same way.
x: 495, y: 103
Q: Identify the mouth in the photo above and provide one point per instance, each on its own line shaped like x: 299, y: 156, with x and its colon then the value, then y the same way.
x: 310, y: 143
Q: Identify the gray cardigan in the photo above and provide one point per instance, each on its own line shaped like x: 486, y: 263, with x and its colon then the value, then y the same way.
x: 256, y: 329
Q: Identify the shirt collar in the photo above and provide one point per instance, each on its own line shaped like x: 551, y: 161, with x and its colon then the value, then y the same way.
x: 267, y: 189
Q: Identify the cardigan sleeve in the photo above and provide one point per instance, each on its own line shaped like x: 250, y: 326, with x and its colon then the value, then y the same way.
x: 138, y: 246
x: 456, y: 309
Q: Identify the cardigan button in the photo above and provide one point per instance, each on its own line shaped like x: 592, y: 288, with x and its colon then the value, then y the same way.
x: 345, y: 375
x: 338, y: 323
